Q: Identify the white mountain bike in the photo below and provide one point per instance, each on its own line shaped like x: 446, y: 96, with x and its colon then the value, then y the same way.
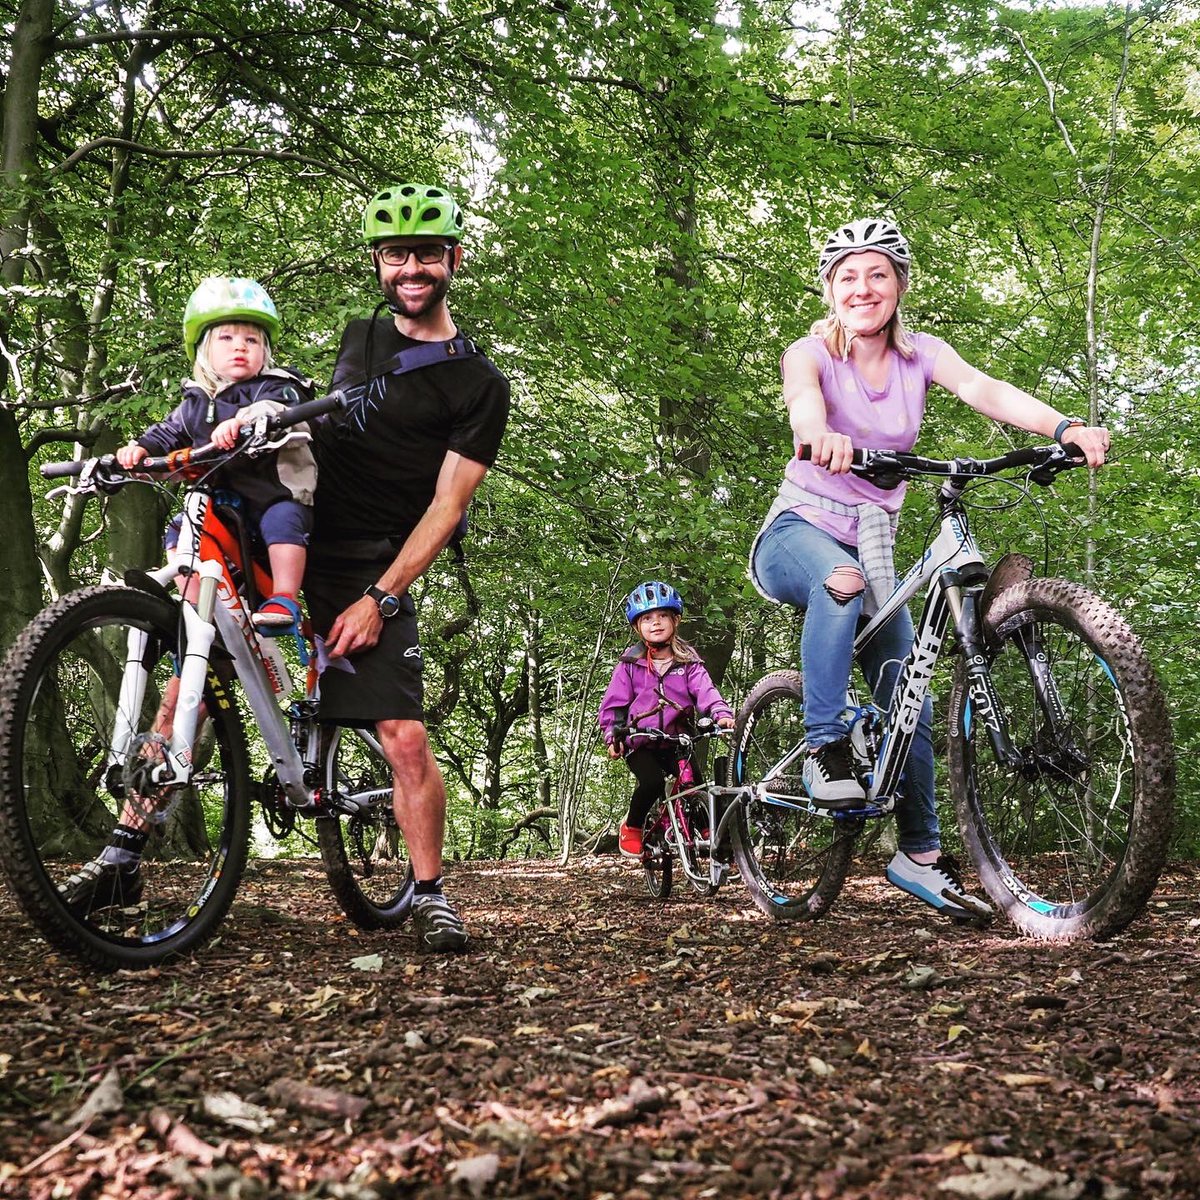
x: 126, y: 703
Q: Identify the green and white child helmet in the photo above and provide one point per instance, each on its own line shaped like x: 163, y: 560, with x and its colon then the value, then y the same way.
x: 411, y: 210
x: 222, y: 298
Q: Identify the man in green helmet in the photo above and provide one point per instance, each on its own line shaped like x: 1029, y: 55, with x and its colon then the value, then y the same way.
x: 397, y: 472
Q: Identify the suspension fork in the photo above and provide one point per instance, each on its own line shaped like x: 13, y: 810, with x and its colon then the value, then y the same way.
x: 963, y: 592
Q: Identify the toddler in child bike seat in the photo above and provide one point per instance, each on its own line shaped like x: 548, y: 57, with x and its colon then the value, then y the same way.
x: 660, y: 683
x: 229, y: 328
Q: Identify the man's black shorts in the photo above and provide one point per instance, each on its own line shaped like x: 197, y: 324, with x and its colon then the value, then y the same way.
x: 386, y: 680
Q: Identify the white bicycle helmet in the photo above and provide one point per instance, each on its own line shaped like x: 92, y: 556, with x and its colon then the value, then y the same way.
x: 870, y: 233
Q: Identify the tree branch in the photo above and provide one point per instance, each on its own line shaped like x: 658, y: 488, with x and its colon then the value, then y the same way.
x: 219, y: 152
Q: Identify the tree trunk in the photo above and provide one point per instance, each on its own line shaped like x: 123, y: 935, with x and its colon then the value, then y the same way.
x: 20, y: 573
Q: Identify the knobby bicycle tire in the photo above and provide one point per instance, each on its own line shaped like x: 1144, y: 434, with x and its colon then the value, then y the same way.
x: 1071, y: 844
x: 657, y: 851
x: 793, y: 862
x: 61, y: 794
x: 365, y: 856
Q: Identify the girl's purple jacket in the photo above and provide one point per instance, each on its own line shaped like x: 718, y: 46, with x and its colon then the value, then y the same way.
x: 642, y: 699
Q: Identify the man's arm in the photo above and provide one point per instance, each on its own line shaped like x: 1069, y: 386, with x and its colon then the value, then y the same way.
x: 359, y: 626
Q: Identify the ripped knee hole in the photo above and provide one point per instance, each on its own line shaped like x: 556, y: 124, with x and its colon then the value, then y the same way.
x: 845, y: 584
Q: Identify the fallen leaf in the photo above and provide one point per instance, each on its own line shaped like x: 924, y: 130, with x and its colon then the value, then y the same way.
x: 104, y: 1099
x: 231, y: 1109
x: 367, y: 962
x: 475, y: 1173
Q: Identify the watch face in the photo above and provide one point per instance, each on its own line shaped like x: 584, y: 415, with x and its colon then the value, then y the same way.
x: 389, y: 606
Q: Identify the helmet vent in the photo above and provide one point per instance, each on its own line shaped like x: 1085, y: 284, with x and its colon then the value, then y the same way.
x: 431, y: 214
x: 383, y: 216
x: 408, y: 191
x: 406, y: 212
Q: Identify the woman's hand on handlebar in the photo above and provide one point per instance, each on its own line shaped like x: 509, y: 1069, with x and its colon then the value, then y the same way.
x: 833, y: 451
x: 1090, y: 442
x: 129, y: 456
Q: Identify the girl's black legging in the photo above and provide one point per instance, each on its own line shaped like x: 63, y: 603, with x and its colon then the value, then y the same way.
x: 650, y: 766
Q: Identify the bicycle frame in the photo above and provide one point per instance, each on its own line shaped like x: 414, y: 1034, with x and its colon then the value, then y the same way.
x: 208, y: 551
x: 949, y: 571
x: 684, y: 835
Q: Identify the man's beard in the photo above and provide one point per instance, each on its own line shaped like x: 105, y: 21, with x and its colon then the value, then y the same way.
x: 405, y: 308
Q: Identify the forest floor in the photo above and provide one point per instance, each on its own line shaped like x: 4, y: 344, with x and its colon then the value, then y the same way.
x: 596, y: 1043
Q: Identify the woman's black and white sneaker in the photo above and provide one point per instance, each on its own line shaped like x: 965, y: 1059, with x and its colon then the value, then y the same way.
x: 939, y: 884
x: 830, y: 779
x: 99, y: 884
x: 438, y: 927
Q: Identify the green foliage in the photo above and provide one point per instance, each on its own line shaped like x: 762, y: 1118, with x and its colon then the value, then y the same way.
x: 645, y: 186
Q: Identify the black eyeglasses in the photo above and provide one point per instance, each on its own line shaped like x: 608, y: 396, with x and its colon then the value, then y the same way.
x: 397, y: 256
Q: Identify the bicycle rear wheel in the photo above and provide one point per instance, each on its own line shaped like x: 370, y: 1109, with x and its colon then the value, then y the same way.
x: 1070, y: 843
x: 793, y: 861
x: 657, y: 851
x: 61, y: 707
x: 364, y: 852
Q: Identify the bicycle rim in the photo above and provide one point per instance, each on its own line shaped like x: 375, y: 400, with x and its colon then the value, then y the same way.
x: 1069, y: 844
x: 365, y: 855
x: 793, y: 862
x: 60, y: 703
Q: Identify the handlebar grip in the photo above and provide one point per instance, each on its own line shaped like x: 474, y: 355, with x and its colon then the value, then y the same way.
x: 804, y: 454
x: 61, y: 470
x: 311, y: 408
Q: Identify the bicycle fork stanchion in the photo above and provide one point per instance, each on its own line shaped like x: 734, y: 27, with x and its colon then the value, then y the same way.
x: 985, y: 706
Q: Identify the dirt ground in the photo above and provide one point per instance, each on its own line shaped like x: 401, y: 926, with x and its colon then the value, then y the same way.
x: 596, y: 1043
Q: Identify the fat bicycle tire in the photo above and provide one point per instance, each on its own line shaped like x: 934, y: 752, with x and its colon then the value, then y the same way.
x: 1071, y: 844
x: 657, y: 852
x: 794, y: 862
x: 60, y: 797
x: 364, y: 853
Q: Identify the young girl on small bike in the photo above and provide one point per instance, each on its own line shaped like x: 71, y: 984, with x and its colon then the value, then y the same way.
x: 660, y: 683
x: 229, y: 328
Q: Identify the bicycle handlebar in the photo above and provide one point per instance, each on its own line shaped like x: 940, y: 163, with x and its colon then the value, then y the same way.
x: 108, y: 471
x: 889, y: 467
x: 706, y: 727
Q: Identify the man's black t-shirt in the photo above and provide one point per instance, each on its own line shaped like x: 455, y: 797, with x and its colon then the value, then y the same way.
x: 379, y: 462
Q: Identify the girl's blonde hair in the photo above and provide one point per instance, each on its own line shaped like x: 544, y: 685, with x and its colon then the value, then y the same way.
x: 834, y: 335
x: 202, y: 368
x: 681, y: 651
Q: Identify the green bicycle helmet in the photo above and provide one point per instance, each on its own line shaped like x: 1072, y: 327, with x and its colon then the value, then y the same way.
x: 411, y: 210
x: 226, y: 298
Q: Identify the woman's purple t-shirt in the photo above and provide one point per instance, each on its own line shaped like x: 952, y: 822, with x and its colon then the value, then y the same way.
x: 886, y: 419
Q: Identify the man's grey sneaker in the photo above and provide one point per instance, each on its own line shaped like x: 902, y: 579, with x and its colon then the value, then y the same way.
x: 937, y: 883
x: 437, y: 926
x: 100, y: 884
x: 829, y: 777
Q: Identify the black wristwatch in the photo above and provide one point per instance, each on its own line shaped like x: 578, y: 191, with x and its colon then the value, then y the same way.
x: 389, y: 605
x: 1065, y: 424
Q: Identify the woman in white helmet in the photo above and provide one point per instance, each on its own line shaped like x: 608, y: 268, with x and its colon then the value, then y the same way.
x: 860, y: 380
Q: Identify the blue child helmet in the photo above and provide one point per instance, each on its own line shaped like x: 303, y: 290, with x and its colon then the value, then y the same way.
x: 648, y: 596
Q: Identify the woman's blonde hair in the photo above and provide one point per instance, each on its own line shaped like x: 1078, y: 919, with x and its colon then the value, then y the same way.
x: 681, y: 651
x: 202, y: 369
x: 834, y: 335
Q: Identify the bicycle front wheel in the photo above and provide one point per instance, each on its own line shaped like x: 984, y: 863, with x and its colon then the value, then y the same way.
x: 793, y: 861
x: 82, y: 716
x: 1068, y: 842
x: 364, y: 852
x: 657, y: 851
